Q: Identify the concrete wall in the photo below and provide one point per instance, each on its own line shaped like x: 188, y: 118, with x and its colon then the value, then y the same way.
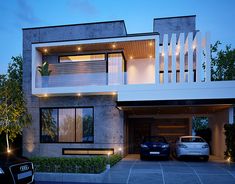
x: 108, y: 120
x: 141, y: 71
x: 108, y: 125
x: 169, y: 25
x: 216, y: 123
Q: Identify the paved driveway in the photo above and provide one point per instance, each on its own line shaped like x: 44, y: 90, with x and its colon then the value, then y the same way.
x: 171, y: 172
x: 134, y: 171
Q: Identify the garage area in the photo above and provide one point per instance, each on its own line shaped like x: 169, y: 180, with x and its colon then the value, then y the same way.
x: 171, y: 129
x: 173, y: 120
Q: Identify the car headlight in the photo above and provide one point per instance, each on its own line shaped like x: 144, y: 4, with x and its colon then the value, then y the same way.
x: 182, y: 146
x: 205, y: 146
x: 144, y: 146
x: 165, y: 146
x: 1, y: 171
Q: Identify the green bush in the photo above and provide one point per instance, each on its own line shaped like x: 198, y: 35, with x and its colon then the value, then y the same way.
x: 96, y: 164
x: 114, y: 159
x: 230, y: 141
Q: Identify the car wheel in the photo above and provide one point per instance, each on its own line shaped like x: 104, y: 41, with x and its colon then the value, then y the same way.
x: 206, y: 158
x: 142, y: 157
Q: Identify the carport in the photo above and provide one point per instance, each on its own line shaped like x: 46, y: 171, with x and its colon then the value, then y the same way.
x: 173, y: 119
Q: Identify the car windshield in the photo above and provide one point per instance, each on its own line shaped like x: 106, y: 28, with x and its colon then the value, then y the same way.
x: 192, y: 139
x: 154, y: 139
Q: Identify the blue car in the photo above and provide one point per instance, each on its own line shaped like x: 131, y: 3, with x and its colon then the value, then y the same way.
x: 154, y: 146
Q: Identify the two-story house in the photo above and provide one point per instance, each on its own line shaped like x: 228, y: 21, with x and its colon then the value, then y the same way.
x: 108, y: 88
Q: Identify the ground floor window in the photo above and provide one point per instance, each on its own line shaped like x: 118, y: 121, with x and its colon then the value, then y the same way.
x: 67, y: 125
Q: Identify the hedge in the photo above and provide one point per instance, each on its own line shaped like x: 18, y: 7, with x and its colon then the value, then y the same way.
x: 230, y: 141
x: 95, y: 164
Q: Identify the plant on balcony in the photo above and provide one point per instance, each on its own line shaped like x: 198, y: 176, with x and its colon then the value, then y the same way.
x: 44, y: 69
x: 45, y: 72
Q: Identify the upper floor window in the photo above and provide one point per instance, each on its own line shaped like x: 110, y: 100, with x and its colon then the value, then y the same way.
x: 78, y: 58
x: 67, y: 125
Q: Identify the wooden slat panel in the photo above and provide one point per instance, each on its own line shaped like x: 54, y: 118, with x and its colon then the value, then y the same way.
x: 78, y: 67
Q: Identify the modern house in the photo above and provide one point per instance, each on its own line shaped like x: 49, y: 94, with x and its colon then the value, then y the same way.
x: 107, y: 88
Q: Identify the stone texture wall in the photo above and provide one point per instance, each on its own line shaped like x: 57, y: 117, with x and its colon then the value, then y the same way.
x: 108, y: 121
x: 176, y: 25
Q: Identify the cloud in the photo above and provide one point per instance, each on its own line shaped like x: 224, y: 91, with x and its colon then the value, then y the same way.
x: 83, y: 6
x: 25, y: 13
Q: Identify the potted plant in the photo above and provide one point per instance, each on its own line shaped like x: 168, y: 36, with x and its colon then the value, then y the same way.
x: 45, y: 72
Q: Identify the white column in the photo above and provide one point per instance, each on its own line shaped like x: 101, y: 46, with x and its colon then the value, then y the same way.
x: 165, y: 52
x: 198, y: 56
x: 208, y: 58
x: 157, y: 62
x: 173, y: 57
x: 181, y: 55
x: 190, y: 57
x: 231, y: 115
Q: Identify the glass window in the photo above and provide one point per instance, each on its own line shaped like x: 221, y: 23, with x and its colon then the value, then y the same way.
x: 91, y: 57
x: 84, y: 125
x: 49, y: 125
x: 67, y: 125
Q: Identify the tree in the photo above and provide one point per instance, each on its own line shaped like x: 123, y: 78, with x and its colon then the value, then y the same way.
x: 222, y: 63
x: 13, y: 112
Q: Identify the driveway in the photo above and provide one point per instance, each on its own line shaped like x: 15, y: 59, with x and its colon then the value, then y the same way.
x: 134, y: 171
x: 171, y: 172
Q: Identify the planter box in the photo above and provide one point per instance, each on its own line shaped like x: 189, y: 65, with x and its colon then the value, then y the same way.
x: 69, y: 177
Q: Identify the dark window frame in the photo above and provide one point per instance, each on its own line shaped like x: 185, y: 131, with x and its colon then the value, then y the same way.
x: 57, y: 108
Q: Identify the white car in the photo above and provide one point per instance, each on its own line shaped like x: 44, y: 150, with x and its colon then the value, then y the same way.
x: 192, y: 146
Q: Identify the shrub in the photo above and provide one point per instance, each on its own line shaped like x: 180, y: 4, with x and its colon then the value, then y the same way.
x: 230, y: 141
x: 114, y: 159
x: 96, y: 164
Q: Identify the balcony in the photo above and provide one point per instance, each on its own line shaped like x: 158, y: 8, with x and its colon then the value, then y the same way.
x: 134, y: 67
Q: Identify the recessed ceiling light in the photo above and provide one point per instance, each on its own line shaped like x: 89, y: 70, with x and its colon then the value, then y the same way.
x: 114, y: 93
x: 79, y: 48
x: 45, y: 50
x: 150, y: 56
x: 45, y: 95
x: 114, y: 46
x: 150, y: 43
x: 79, y: 94
x: 131, y: 57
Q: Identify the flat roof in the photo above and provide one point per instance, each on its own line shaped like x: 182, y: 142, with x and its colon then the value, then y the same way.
x: 65, y: 25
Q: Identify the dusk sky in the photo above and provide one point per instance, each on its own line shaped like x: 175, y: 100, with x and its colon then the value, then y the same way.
x: 217, y: 17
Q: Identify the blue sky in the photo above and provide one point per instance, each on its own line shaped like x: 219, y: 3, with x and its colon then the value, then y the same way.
x: 214, y: 16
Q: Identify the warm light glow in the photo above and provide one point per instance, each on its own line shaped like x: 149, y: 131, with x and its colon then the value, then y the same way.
x: 79, y: 48
x: 45, y: 95
x: 229, y: 159
x: 109, y: 154
x: 120, y: 149
x: 45, y: 50
x: 114, y: 93
x: 150, y: 43
x: 163, y: 54
x: 194, y: 46
x: 131, y: 57
x: 8, y: 151
x: 150, y: 56
x: 79, y: 94
x: 114, y: 46
x: 177, y: 53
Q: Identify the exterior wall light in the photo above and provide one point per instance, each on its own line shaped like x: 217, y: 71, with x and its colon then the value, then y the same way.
x: 79, y: 94
x: 45, y: 95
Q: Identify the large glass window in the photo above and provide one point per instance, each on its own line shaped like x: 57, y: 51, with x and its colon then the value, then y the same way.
x: 67, y: 125
x: 78, y: 58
